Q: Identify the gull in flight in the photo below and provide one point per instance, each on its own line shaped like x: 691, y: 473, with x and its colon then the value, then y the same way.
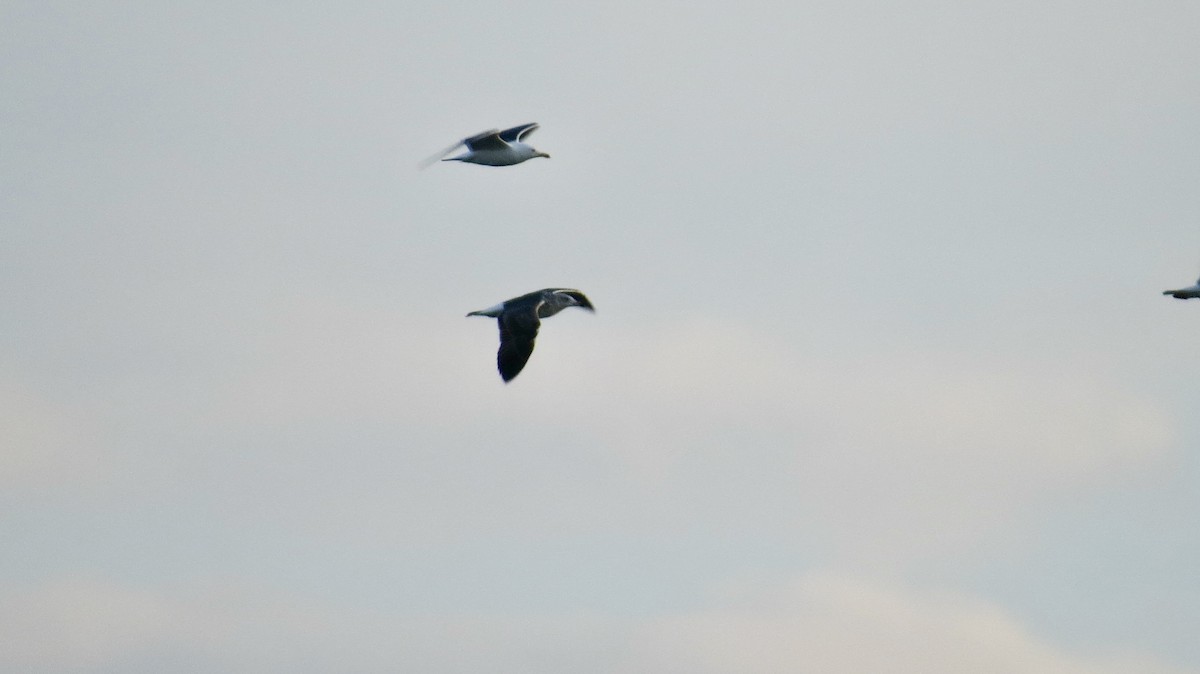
x: 519, y: 319
x: 1185, y: 293
x: 494, y: 148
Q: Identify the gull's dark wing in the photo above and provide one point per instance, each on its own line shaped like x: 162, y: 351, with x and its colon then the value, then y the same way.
x: 488, y: 140
x: 516, y: 133
x: 518, y: 330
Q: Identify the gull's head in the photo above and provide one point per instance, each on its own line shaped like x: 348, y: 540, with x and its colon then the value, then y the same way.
x: 525, y: 152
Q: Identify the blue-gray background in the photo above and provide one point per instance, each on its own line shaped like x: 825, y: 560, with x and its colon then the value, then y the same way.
x: 880, y: 377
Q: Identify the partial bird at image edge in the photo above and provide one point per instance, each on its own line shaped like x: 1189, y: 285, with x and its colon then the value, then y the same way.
x: 1185, y: 293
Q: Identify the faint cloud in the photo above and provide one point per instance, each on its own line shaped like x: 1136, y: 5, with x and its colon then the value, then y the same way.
x: 83, y: 624
x: 823, y: 621
x: 896, y: 454
x: 44, y: 444
x: 79, y: 624
x: 905, y: 449
x: 831, y: 623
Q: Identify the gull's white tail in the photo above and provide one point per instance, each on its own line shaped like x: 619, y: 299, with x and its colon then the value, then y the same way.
x: 426, y: 163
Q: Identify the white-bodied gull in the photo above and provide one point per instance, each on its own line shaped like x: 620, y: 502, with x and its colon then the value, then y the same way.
x: 494, y: 148
x: 1185, y: 293
x: 519, y: 319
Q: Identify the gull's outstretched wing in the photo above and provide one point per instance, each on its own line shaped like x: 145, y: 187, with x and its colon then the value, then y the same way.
x: 516, y: 133
x: 518, y: 330
x: 488, y: 140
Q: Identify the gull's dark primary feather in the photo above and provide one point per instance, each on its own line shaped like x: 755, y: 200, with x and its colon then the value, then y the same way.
x: 517, y: 133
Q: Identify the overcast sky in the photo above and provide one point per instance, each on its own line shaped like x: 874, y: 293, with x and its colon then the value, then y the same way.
x: 880, y: 379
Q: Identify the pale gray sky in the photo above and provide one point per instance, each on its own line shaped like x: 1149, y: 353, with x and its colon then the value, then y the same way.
x: 880, y: 377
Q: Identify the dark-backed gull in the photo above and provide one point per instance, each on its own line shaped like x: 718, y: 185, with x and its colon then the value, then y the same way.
x: 494, y: 148
x: 519, y: 319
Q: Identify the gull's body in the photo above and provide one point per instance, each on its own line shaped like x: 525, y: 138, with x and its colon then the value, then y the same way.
x: 519, y: 320
x: 1185, y: 293
x: 496, y: 147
